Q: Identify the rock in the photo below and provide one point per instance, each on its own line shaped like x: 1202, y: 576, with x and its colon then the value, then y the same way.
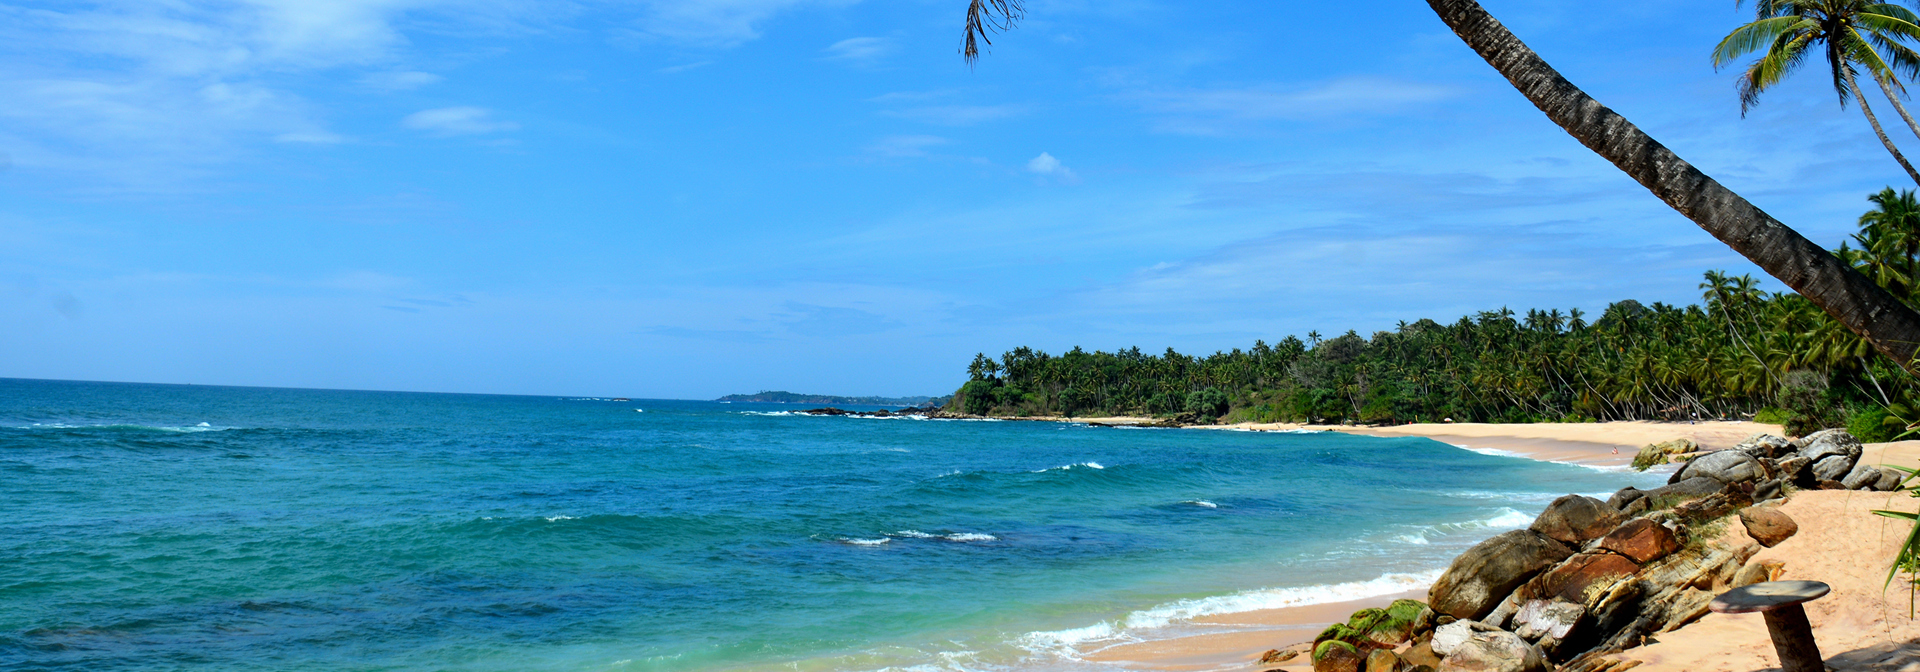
x: 1337, y: 656
x: 1819, y: 445
x: 1580, y: 578
x: 1768, y: 525
x: 1659, y: 453
x: 1889, y: 480
x: 1794, y: 469
x: 1766, y: 490
x: 1765, y: 445
x: 1863, y: 476
x: 1625, y: 496
x: 1756, y: 572
x: 1641, y: 540
x: 1547, y: 618
x: 1551, y: 625
x: 1495, y: 651
x: 1278, y: 656
x: 1574, y: 519
x: 1448, y: 637
x: 1726, y: 466
x: 1382, y: 660
x: 1480, y: 578
x: 1420, y: 655
x: 1832, y: 468
x: 1668, y: 495
x: 1714, y: 507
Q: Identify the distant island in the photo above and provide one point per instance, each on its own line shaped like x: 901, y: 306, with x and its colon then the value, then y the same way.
x: 792, y: 398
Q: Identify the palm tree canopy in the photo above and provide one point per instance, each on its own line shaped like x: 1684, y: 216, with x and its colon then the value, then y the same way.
x: 1850, y: 32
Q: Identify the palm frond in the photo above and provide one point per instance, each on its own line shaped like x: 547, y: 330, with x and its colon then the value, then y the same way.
x: 1787, y: 53
x: 985, y: 17
x: 1755, y: 36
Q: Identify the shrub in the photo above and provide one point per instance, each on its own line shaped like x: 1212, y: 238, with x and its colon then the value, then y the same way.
x: 1207, y: 403
x: 1772, y: 415
x: 1870, y: 426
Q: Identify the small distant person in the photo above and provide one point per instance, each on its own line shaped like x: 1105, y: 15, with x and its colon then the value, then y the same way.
x: 1616, y: 451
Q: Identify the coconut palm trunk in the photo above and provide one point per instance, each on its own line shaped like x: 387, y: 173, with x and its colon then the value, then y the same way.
x: 1852, y: 299
x: 1887, y: 88
x: 1874, y: 121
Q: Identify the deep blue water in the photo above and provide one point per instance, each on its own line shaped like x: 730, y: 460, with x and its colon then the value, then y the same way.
x: 155, y: 527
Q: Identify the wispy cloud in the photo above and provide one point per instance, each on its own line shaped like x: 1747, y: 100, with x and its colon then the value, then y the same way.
x: 671, y: 69
x: 864, y: 50
x: 714, y: 23
x: 398, y: 81
x: 449, y: 121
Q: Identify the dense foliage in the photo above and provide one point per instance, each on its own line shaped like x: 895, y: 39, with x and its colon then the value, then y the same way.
x: 1743, y: 352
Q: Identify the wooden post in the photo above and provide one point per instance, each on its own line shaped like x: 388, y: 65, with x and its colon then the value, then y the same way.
x: 1779, y: 603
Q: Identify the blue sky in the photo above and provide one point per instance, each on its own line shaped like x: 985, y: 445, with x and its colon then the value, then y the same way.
x: 688, y: 198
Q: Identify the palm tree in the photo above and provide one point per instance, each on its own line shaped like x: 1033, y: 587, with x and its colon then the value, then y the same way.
x: 1852, y: 299
x: 1891, y: 232
x: 1850, y: 32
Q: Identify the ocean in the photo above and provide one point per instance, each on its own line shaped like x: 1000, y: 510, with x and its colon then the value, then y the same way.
x: 159, y: 527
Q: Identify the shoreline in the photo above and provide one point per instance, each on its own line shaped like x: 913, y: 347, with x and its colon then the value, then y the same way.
x: 1289, y: 628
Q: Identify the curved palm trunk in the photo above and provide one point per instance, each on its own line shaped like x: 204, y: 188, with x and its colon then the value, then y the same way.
x: 1887, y: 88
x: 1875, y: 122
x: 1852, y: 299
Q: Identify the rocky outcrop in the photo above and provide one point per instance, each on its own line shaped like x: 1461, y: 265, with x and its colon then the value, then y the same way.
x: 1337, y: 656
x: 1641, y: 540
x: 1575, y: 519
x: 1577, y: 579
x: 1765, y: 446
x: 1693, y: 488
x: 1825, y: 443
x: 1662, y: 453
x: 1495, y: 651
x: 1726, y: 466
x: 1832, y: 468
x: 1481, y: 578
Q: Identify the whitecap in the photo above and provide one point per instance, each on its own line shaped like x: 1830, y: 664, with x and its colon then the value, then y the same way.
x: 853, y: 541
x: 1202, y: 503
x: 964, y: 537
x: 555, y: 519
x: 1069, y: 467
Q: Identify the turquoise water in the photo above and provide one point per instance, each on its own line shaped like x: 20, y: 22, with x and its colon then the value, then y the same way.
x: 200, y: 528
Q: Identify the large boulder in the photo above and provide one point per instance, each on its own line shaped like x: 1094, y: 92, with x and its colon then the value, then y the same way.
x: 1693, y: 488
x: 1765, y: 445
x: 1382, y: 660
x: 1495, y: 651
x: 1575, y: 519
x: 1580, y: 578
x: 1641, y: 540
x: 1625, y: 496
x: 1448, y: 637
x: 1726, y: 466
x: 1480, y: 578
x: 1832, y: 468
x: 1822, y: 444
x: 1768, y: 525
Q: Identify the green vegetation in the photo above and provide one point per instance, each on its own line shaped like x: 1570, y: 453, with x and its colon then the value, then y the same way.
x: 1744, y: 353
x: 791, y: 398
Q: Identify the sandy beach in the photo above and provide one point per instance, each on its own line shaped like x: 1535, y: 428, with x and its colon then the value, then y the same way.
x: 1859, y: 626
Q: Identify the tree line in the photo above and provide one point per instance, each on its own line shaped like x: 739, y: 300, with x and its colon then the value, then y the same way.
x: 1739, y: 353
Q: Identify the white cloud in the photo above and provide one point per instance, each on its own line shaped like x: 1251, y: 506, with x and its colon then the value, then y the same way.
x: 1045, y: 164
x: 860, y: 49
x: 399, y: 80
x: 464, y: 120
x: 671, y: 69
